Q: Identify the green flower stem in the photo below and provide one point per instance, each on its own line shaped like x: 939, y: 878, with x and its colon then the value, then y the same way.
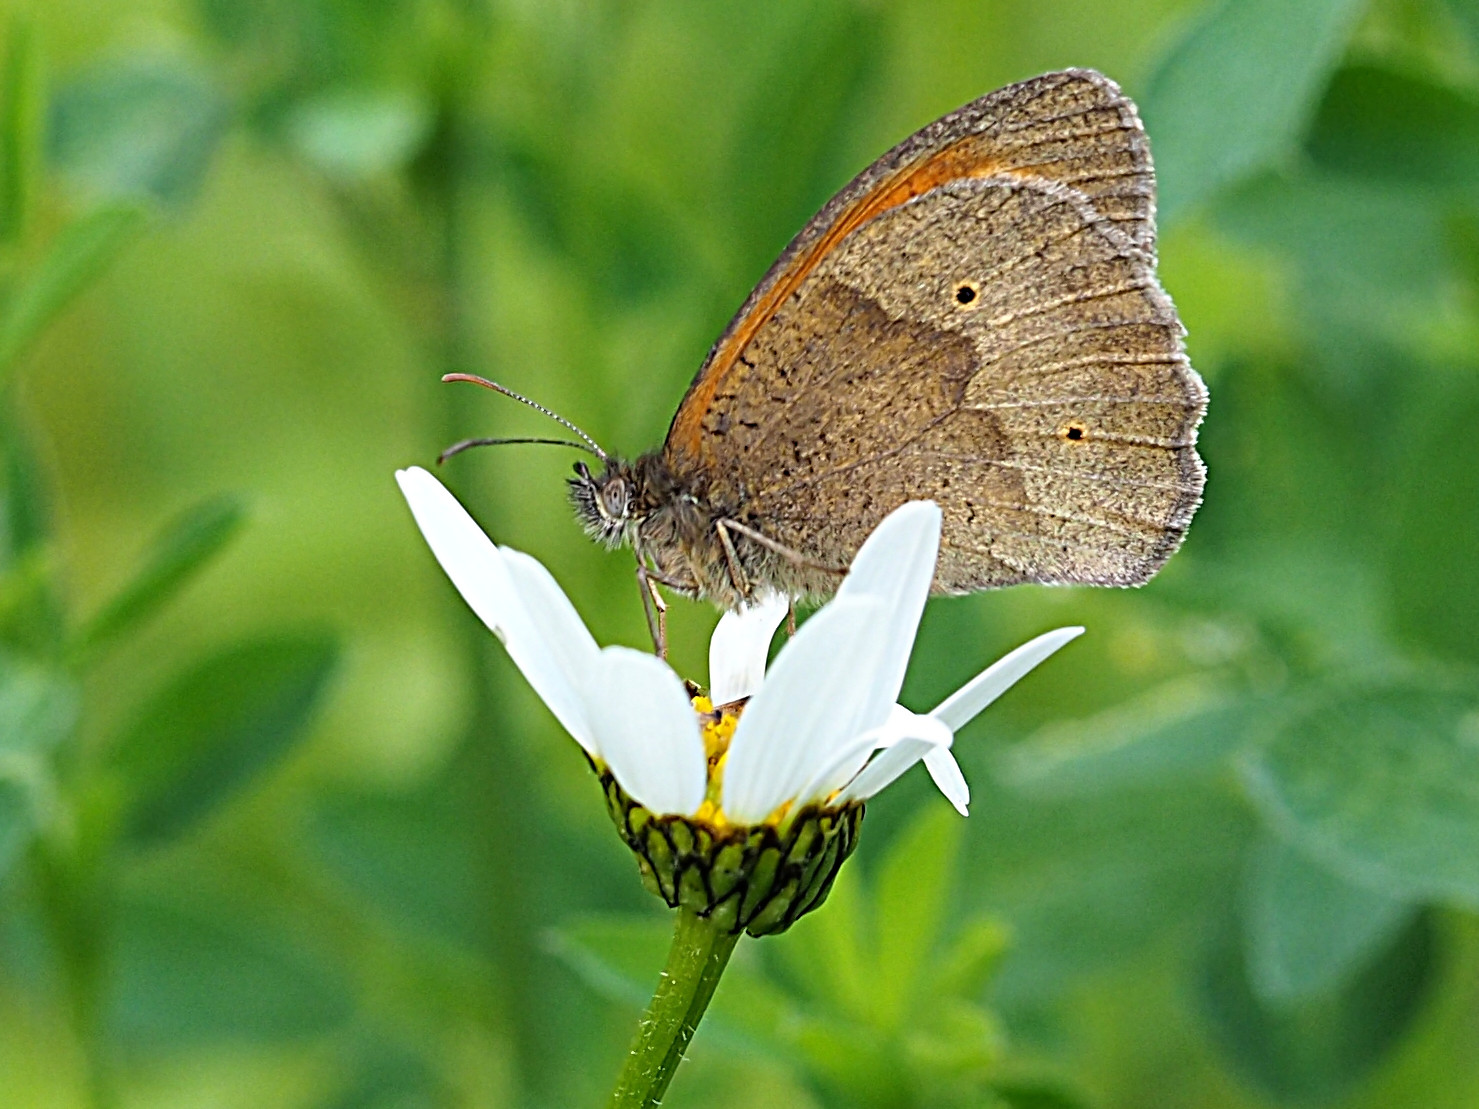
x: 697, y: 958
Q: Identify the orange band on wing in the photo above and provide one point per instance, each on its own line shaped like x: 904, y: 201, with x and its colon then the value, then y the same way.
x: 961, y: 159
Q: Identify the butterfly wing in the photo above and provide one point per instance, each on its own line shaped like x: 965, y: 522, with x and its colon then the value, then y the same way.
x: 974, y: 320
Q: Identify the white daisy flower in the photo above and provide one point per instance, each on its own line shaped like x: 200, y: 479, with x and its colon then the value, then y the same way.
x: 821, y: 728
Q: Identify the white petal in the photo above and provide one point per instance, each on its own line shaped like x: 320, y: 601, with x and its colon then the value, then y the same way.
x: 896, y: 565
x: 648, y: 731
x: 851, y: 758
x: 815, y: 700
x: 884, y: 770
x: 740, y: 647
x: 962, y: 706
x: 946, y: 772
x: 905, y: 739
x: 568, y: 644
x: 553, y: 650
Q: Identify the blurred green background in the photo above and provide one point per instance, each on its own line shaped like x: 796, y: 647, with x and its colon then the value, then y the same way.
x: 281, y: 826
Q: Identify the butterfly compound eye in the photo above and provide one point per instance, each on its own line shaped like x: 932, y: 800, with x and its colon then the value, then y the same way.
x: 615, y: 497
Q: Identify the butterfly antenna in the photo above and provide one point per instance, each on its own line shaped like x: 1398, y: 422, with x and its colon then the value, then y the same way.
x: 466, y: 444
x: 591, y: 444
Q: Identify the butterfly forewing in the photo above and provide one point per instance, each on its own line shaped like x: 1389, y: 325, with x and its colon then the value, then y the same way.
x: 974, y: 320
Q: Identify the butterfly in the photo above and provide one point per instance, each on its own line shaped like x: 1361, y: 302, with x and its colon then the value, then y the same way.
x: 975, y: 319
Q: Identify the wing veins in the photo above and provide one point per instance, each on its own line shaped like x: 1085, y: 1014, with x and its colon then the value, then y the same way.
x: 1075, y: 518
x: 1060, y: 471
x: 1123, y: 440
x: 1104, y: 399
x: 1107, y: 325
x: 1081, y: 297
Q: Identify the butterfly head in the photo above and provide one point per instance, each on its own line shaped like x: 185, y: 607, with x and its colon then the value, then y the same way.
x: 605, y: 504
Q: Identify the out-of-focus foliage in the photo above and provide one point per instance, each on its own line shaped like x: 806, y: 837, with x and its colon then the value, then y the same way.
x: 1222, y: 851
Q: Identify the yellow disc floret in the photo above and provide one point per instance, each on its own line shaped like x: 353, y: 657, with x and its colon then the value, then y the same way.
x: 717, y: 727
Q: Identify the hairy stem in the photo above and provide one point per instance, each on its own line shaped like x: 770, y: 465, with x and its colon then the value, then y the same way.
x: 696, y: 960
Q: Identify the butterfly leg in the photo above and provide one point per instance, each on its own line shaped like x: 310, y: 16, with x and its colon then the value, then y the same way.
x: 731, y: 559
x: 791, y: 620
x: 779, y: 548
x: 655, y: 609
x: 653, y: 605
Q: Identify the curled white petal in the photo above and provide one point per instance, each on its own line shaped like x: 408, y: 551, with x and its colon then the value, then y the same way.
x: 896, y: 565
x: 884, y: 770
x: 945, y: 771
x: 815, y: 700
x: 524, y: 608
x: 853, y: 756
x: 907, y: 738
x: 648, y: 732
x: 962, y: 706
x: 740, y: 646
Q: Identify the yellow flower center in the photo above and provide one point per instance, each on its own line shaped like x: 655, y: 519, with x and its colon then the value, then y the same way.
x: 718, y: 729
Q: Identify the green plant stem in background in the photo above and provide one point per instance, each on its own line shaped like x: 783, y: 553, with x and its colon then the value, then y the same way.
x: 697, y: 958
x: 74, y: 902
x: 491, y: 765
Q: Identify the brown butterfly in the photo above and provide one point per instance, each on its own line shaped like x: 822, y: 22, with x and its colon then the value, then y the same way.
x: 974, y: 320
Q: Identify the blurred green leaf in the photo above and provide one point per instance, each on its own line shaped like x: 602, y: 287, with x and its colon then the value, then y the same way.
x: 389, y: 1076
x: 185, y: 974
x: 354, y: 134
x: 1361, y: 241
x: 1090, y: 881
x: 788, y: 154
x: 911, y: 896
x: 1234, y: 95
x: 17, y: 819
x: 141, y: 129
x: 1024, y: 1096
x: 24, y: 512
x: 1180, y: 729
x: 31, y: 620
x: 967, y: 964
x: 80, y: 253
x: 1468, y: 13
x: 827, y: 951
x: 1313, y: 602
x: 1364, y: 254
x: 38, y: 707
x: 185, y: 546
x: 1307, y: 929
x: 22, y: 108
x: 854, y: 1063
x: 955, y: 1043
x: 1431, y: 569
x: 1397, y: 128
x: 214, y: 730
x: 617, y: 956
x: 1380, y: 241
x: 1381, y: 784
x: 1314, y: 1050
x: 410, y: 857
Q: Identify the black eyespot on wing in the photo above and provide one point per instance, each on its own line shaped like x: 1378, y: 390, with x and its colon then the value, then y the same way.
x: 965, y: 293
